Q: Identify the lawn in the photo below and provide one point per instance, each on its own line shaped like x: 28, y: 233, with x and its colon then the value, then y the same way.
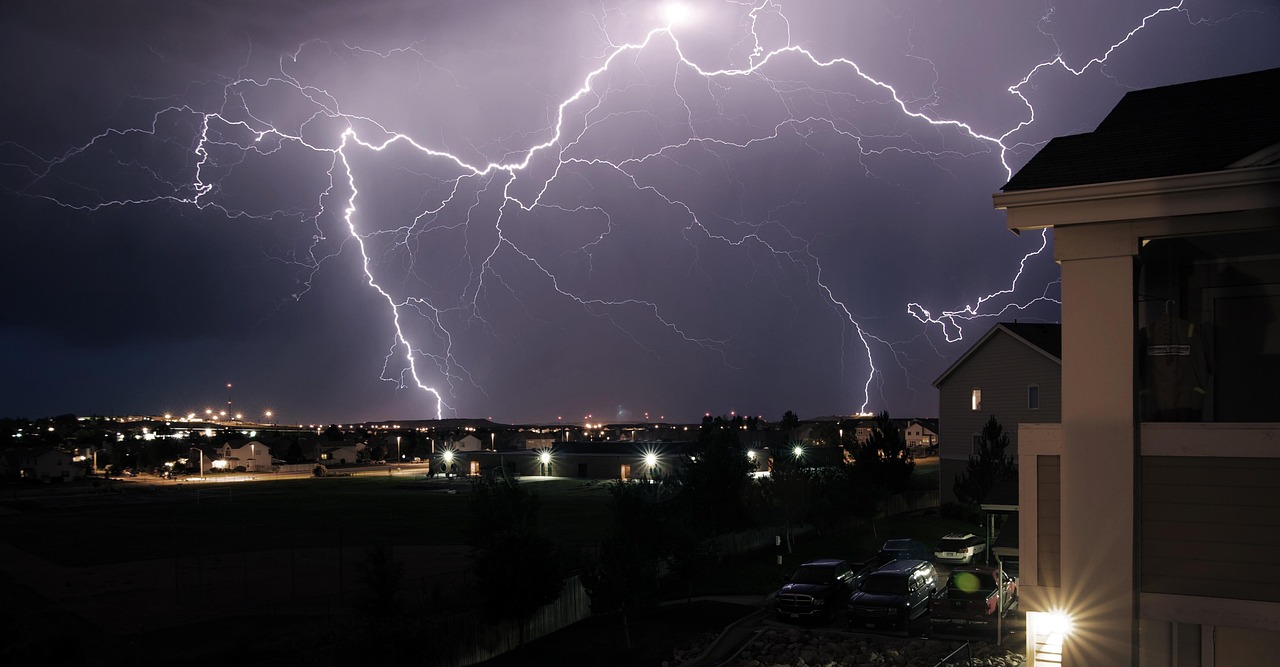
x: 138, y: 523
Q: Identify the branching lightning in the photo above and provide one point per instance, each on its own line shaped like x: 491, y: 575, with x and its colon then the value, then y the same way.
x: 421, y: 354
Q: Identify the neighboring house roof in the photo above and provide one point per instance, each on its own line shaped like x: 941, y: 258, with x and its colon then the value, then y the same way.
x: 1043, y: 338
x: 928, y: 424
x: 1188, y: 128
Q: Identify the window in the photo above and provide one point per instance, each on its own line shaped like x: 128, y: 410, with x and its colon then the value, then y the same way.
x: 1033, y: 397
x: 1208, y: 310
x: 975, y: 399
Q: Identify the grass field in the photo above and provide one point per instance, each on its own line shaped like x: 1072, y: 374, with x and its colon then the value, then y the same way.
x: 137, y: 523
x: 164, y: 552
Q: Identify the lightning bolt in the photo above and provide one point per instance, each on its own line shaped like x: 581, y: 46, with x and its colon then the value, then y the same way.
x: 483, y: 201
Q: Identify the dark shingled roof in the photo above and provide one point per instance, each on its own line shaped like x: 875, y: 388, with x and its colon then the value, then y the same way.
x: 1047, y: 337
x: 1187, y: 128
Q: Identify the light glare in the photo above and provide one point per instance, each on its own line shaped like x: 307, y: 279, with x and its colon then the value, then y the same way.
x: 1058, y: 622
x: 677, y: 13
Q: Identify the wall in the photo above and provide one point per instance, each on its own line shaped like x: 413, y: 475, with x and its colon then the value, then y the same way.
x: 1002, y: 368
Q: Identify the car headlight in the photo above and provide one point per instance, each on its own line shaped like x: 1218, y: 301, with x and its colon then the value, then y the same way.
x: 893, y: 611
x: 819, y: 602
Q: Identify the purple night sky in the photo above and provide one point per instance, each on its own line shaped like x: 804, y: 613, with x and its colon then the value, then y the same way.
x: 541, y: 210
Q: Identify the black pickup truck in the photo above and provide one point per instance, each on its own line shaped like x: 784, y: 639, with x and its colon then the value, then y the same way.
x: 818, y: 588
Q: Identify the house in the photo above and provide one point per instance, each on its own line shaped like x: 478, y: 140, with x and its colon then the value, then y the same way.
x: 48, y: 464
x: 1014, y: 372
x: 467, y: 443
x: 1156, y: 522
x: 253, y: 456
x: 339, y: 454
x: 921, y: 435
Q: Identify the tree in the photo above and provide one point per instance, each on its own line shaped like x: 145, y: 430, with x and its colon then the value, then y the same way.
x: 625, y: 575
x: 716, y: 476
x: 789, y: 423
x: 882, y: 466
x: 884, y: 459
x: 988, y: 467
x: 785, y: 497
x: 503, y: 532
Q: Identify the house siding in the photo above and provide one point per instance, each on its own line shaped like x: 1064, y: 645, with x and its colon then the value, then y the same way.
x: 1210, y: 526
x: 1003, y: 368
x: 1048, y: 521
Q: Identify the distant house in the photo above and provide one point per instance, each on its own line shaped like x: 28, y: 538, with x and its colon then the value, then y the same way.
x: 253, y: 456
x: 467, y: 443
x: 48, y: 464
x: 921, y: 434
x: 1013, y: 372
x: 339, y: 454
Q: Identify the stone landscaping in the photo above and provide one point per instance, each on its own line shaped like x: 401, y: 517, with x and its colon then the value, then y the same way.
x: 805, y: 648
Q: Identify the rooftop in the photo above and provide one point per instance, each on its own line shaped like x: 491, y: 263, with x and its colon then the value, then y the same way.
x: 1188, y: 128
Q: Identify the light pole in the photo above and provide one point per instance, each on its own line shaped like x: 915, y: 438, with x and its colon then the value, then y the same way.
x: 544, y: 459
x: 200, y: 461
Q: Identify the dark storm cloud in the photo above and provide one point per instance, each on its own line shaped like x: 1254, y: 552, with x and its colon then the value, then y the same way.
x: 750, y: 242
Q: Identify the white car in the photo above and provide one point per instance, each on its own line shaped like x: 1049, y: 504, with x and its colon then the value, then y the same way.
x: 958, y: 548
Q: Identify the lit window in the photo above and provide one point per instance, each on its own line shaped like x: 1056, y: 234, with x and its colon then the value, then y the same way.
x: 1033, y: 397
x: 975, y: 399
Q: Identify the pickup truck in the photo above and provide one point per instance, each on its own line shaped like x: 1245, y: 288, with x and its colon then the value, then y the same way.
x: 818, y: 589
x: 972, y: 600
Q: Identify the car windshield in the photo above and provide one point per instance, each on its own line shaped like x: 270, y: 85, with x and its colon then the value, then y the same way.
x: 813, y: 574
x: 884, y: 584
x: 970, y: 585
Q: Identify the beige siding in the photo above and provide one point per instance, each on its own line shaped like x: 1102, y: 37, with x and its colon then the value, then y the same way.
x: 1048, y: 521
x: 1210, y: 526
x: 1003, y: 368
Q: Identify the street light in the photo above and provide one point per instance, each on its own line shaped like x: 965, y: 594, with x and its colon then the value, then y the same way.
x: 544, y: 459
x: 200, y: 461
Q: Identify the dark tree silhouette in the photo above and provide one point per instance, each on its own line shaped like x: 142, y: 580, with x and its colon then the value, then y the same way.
x: 516, y: 567
x: 987, y: 467
x: 625, y: 575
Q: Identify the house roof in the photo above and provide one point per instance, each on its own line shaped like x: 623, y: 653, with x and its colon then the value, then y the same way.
x: 1043, y: 338
x: 1188, y: 128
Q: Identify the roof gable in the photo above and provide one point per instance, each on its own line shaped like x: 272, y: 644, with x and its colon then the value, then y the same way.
x: 1045, y: 339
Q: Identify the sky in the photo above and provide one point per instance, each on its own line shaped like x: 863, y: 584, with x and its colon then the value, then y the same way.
x: 534, y: 212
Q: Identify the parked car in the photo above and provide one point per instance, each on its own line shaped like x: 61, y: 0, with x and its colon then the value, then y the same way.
x: 893, y: 596
x: 958, y: 548
x: 816, y: 589
x: 898, y: 549
x: 973, y: 600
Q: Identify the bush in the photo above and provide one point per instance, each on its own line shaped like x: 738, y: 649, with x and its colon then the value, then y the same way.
x: 961, y: 512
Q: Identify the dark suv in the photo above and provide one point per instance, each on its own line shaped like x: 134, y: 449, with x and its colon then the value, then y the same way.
x: 898, y: 549
x: 894, y: 595
x: 816, y: 588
